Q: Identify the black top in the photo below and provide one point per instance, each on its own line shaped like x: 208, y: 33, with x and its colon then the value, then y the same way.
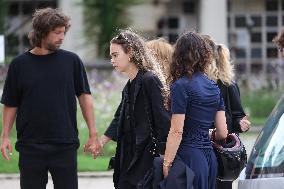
x: 233, y: 107
x: 148, y: 111
x: 44, y: 90
x: 128, y: 134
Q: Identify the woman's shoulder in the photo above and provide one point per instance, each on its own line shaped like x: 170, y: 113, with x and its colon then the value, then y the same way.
x: 149, y: 75
x: 149, y: 78
x: 183, y: 82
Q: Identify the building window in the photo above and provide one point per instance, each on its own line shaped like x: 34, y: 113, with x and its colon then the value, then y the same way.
x: 256, y: 53
x: 256, y: 37
x: 189, y: 7
x: 272, y: 21
x: 257, y: 21
x: 271, y: 52
x: 240, y: 53
x: 173, y: 23
x: 270, y: 36
x: 271, y: 5
x: 240, y: 21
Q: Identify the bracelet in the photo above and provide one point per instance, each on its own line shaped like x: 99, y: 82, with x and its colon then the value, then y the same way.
x: 167, y: 163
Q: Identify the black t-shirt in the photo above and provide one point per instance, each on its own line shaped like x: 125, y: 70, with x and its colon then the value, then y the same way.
x: 44, y: 90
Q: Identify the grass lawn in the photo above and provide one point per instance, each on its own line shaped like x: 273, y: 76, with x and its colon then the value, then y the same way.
x: 85, y: 163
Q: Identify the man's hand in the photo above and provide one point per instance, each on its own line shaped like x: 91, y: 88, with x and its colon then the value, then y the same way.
x: 93, y: 146
x: 6, y: 148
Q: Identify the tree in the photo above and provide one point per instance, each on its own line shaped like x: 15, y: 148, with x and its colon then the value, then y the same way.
x: 3, y: 14
x: 103, y: 18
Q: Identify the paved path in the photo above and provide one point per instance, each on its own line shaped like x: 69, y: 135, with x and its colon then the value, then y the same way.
x: 102, y: 180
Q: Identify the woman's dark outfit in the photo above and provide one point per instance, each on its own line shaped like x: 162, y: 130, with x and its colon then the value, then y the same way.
x: 199, y: 99
x: 141, y: 105
x: 234, y: 113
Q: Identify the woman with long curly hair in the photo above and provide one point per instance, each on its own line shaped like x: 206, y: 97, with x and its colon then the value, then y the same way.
x: 196, y: 105
x: 141, y: 115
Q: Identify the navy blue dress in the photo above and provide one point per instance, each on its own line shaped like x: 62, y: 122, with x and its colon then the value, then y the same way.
x: 199, y: 99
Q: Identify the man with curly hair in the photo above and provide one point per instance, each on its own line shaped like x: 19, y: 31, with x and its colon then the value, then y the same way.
x: 40, y: 93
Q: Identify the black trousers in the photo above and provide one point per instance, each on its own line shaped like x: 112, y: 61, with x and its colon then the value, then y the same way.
x: 224, y: 184
x: 62, y: 165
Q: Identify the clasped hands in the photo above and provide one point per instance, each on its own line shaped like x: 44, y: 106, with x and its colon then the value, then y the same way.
x: 93, y: 146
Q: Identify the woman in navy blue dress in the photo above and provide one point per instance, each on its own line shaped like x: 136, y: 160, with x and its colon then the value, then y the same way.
x: 196, y: 105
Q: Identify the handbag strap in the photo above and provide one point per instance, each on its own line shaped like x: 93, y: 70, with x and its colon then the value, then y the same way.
x: 152, y: 131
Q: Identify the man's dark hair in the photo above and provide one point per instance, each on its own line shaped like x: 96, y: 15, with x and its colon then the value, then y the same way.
x: 279, y: 39
x: 44, y: 21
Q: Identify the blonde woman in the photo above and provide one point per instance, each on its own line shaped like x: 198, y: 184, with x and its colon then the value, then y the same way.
x: 162, y: 51
x: 222, y: 71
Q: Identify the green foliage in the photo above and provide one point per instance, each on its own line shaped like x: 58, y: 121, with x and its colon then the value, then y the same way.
x: 3, y: 13
x: 258, y: 104
x: 103, y: 18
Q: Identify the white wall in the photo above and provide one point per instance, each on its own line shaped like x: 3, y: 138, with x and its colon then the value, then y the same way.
x: 213, y: 19
x: 75, y: 39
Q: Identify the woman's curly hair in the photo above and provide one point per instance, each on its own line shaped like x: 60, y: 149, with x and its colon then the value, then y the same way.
x: 141, y: 56
x: 44, y: 21
x: 191, y: 54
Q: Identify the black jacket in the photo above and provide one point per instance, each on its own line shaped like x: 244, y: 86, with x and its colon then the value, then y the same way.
x: 147, y: 95
x: 233, y: 106
x: 180, y: 176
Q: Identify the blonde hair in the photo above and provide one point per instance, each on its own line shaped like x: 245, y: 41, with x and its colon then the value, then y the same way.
x: 162, y: 51
x: 212, y: 70
x: 224, y: 66
x: 221, y: 67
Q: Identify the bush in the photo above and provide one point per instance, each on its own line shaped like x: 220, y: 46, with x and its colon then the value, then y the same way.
x: 258, y: 104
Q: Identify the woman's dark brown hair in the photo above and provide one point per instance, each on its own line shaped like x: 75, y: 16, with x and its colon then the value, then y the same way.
x: 44, y: 21
x: 191, y: 54
x: 140, y: 55
x: 134, y: 45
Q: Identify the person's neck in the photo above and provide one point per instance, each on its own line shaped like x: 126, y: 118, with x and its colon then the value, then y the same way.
x: 132, y: 72
x: 40, y: 51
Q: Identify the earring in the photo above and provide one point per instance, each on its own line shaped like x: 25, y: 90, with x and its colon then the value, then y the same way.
x: 129, y: 59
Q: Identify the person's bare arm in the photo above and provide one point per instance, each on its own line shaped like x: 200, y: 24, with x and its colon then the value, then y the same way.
x: 221, y: 125
x: 86, y: 104
x: 173, y: 141
x: 9, y: 115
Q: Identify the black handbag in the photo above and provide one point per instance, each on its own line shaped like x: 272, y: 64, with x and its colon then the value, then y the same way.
x: 231, y: 156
